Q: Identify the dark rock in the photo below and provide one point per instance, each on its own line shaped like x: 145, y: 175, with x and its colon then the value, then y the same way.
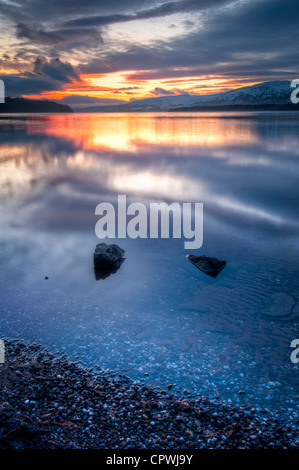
x: 210, y: 266
x: 107, y: 260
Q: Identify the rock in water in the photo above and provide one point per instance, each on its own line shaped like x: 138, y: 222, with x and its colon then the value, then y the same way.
x: 279, y: 306
x: 107, y: 259
x: 210, y: 266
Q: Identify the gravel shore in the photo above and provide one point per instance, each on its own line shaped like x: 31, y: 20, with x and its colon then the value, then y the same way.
x: 48, y: 402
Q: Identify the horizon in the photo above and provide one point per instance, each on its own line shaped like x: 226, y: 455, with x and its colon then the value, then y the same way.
x: 93, y: 105
x: 99, y: 54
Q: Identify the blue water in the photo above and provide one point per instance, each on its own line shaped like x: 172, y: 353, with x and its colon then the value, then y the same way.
x: 158, y: 315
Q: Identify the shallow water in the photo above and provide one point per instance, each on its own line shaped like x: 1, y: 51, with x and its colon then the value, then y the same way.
x: 158, y: 314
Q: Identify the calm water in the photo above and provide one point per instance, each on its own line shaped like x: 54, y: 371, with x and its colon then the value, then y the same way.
x: 158, y: 314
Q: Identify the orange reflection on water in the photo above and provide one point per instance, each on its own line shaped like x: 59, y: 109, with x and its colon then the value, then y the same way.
x: 128, y: 132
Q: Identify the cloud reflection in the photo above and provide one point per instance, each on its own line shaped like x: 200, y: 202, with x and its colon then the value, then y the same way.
x: 65, y: 165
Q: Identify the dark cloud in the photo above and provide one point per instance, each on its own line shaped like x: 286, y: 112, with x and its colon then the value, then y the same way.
x: 129, y: 88
x: 73, y: 25
x: 24, y: 31
x: 56, y: 70
x: 16, y: 85
x: 64, y: 39
x: 46, y: 76
x: 79, y: 101
x: 161, y: 92
x: 165, y: 9
x: 55, y: 10
x: 254, y: 39
x: 248, y: 39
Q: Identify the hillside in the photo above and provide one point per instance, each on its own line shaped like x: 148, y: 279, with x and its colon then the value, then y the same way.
x: 22, y: 105
x: 263, y: 96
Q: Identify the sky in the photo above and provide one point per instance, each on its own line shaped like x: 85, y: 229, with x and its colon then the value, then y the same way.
x: 109, y: 52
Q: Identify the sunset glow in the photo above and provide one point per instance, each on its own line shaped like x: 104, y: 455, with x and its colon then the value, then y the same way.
x: 120, y: 86
x: 129, y: 132
x: 122, y: 52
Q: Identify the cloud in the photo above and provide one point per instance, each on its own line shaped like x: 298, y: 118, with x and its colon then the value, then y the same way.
x: 254, y: 39
x: 46, y: 76
x: 80, y: 101
x: 129, y: 88
x: 16, y: 85
x: 161, y: 92
x: 244, y: 39
x: 164, y: 9
x: 55, y: 10
x: 56, y: 70
x: 24, y: 31
x: 64, y: 39
x: 73, y: 26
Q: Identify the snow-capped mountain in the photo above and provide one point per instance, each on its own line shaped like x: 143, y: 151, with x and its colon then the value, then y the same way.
x: 166, y: 102
x: 277, y: 92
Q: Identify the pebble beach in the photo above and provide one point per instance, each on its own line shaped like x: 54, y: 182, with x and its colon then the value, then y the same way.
x: 49, y: 402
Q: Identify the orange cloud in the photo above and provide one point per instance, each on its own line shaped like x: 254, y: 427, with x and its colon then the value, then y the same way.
x: 123, y: 86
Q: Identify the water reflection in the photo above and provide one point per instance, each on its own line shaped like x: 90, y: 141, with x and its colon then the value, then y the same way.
x: 119, y: 132
x: 158, y: 312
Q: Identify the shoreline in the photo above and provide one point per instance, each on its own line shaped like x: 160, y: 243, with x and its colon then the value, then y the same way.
x: 48, y: 402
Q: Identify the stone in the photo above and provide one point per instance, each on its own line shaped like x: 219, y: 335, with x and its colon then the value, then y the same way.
x: 107, y: 259
x: 279, y: 306
x: 209, y: 266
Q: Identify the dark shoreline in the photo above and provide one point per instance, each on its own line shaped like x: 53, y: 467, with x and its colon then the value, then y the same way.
x: 191, y: 109
x: 271, y: 110
x: 47, y: 402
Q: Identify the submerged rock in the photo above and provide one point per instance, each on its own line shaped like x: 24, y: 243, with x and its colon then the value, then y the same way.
x: 279, y: 306
x: 107, y: 259
x: 210, y: 266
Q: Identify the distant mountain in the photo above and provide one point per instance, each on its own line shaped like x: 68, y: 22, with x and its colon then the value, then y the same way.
x: 22, y: 105
x: 268, y: 95
x: 264, y: 96
x: 261, y: 94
